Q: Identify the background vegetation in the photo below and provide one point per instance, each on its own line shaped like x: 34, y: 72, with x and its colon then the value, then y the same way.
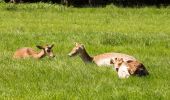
x: 141, y: 32
x: 124, y: 3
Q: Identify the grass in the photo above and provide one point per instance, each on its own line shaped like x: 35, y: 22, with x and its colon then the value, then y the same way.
x: 141, y: 32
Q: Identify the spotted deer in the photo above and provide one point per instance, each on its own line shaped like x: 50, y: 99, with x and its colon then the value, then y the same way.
x: 100, y: 60
x: 29, y: 52
x: 125, y: 69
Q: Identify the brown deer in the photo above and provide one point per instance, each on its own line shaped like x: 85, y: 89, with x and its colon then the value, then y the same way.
x: 29, y: 52
x: 100, y: 60
x: 125, y: 69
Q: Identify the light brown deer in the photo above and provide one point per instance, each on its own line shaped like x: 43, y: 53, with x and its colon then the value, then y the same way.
x: 125, y: 69
x: 29, y: 52
x: 100, y: 60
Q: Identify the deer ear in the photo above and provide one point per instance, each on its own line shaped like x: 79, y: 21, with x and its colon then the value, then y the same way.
x: 39, y: 47
x: 111, y: 61
x: 76, y: 43
x: 51, y: 46
x: 121, y: 59
x: 82, y: 45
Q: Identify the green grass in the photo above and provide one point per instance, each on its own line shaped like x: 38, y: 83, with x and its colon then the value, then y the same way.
x: 141, y: 32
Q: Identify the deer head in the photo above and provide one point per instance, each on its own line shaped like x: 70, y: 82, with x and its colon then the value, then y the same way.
x: 47, y: 50
x: 117, y: 62
x: 76, y: 50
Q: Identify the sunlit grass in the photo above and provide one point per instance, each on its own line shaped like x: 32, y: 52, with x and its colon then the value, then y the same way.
x: 143, y: 33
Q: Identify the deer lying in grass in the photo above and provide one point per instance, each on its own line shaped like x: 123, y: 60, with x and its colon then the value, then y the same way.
x: 100, y: 60
x: 125, y: 69
x: 29, y: 52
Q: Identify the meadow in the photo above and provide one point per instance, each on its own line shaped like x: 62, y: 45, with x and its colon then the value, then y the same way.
x: 141, y: 32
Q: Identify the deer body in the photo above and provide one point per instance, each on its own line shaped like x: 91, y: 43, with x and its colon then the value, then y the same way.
x: 137, y: 68
x: 100, y: 60
x: 104, y: 59
x: 27, y: 52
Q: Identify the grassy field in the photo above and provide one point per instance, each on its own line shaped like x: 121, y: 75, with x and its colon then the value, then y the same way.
x: 141, y: 32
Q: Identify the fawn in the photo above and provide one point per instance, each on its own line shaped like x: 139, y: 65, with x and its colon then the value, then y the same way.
x: 29, y: 52
x: 127, y: 68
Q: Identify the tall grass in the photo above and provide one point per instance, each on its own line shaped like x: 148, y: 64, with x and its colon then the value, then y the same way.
x: 143, y: 33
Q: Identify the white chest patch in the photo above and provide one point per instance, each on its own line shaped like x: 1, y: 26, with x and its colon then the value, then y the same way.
x: 123, y: 72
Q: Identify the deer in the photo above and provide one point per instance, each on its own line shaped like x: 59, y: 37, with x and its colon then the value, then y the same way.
x: 99, y: 60
x: 27, y: 52
x: 125, y: 69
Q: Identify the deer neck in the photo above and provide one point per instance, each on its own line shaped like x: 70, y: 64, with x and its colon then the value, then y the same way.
x: 39, y: 55
x: 85, y: 56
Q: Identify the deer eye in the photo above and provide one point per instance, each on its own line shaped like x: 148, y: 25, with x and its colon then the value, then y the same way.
x: 48, y: 50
